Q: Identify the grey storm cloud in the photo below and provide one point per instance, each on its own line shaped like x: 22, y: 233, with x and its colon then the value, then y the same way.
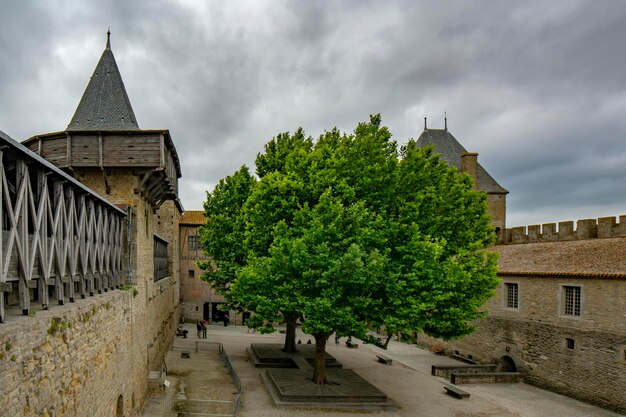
x: 536, y: 88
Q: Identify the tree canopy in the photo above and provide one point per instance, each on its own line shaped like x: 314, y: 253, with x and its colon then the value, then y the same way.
x: 350, y: 231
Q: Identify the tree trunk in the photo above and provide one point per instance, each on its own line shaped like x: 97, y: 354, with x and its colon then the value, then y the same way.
x: 389, y: 336
x: 290, y: 333
x: 319, y: 364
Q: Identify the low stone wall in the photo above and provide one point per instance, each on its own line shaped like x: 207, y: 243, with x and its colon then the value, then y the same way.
x: 486, y: 378
x: 445, y: 371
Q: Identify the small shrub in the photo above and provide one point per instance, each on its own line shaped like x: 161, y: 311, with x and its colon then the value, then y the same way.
x: 58, y: 325
x: 13, y: 358
x: 85, y: 317
x: 54, y: 326
x: 129, y: 287
x: 7, y: 346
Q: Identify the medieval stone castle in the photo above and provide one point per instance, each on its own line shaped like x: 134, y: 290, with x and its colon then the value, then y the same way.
x: 97, y: 267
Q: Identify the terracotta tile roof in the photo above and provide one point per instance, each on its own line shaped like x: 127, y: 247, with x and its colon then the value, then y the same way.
x: 583, y: 258
x: 193, y: 217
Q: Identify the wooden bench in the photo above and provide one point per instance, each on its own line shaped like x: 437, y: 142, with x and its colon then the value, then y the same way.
x: 384, y: 359
x: 456, y: 392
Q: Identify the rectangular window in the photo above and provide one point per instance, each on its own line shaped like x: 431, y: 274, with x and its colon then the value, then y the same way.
x: 570, y: 343
x: 512, y: 295
x: 194, y: 242
x: 571, y: 301
x: 192, y: 273
x: 161, y: 265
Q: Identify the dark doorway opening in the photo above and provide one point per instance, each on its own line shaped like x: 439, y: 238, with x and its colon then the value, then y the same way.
x: 507, y: 364
x: 217, y: 315
x: 205, y: 311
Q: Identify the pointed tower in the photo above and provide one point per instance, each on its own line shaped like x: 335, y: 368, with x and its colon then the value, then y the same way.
x: 105, y: 104
x: 137, y: 169
x: 103, y: 140
x: 452, y: 152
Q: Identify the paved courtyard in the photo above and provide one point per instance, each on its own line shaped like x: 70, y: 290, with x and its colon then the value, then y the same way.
x: 407, y: 382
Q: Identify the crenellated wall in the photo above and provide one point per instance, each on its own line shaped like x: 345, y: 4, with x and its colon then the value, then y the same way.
x: 604, y: 227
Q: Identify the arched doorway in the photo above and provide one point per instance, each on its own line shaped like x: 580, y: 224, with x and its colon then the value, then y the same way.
x: 507, y: 364
x: 119, y: 410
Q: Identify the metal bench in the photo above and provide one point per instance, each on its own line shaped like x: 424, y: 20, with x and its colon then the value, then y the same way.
x: 456, y: 392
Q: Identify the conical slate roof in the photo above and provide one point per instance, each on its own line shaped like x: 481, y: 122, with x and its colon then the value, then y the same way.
x: 450, y: 150
x: 105, y: 104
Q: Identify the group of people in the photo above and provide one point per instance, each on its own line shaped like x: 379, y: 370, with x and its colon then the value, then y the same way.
x: 201, y: 327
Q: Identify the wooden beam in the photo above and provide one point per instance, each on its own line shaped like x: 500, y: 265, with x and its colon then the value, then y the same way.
x: 100, y: 158
x: 68, y: 140
x: 162, y: 148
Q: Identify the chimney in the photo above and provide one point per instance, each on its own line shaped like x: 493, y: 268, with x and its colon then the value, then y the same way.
x: 469, y: 164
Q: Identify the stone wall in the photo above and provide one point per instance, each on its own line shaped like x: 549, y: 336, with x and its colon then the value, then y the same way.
x: 78, y: 359
x: 535, y: 337
x: 604, y: 227
x: 496, y: 207
x: 85, y: 358
x: 194, y: 291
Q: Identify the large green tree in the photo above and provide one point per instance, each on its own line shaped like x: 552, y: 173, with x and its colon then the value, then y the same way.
x: 349, y: 231
x: 223, y: 235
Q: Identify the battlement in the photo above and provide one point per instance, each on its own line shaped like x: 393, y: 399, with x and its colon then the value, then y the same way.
x: 603, y: 227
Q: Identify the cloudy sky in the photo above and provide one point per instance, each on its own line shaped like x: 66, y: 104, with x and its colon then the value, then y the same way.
x: 537, y: 88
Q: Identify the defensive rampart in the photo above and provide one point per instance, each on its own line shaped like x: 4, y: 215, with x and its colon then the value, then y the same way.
x: 604, y: 227
x: 88, y: 358
x: 114, y: 278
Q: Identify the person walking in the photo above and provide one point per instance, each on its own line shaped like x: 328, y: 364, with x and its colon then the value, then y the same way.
x: 198, y: 328
x: 203, y: 329
x: 226, y: 318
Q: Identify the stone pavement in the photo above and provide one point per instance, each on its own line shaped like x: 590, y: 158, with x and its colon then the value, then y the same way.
x: 407, y: 382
